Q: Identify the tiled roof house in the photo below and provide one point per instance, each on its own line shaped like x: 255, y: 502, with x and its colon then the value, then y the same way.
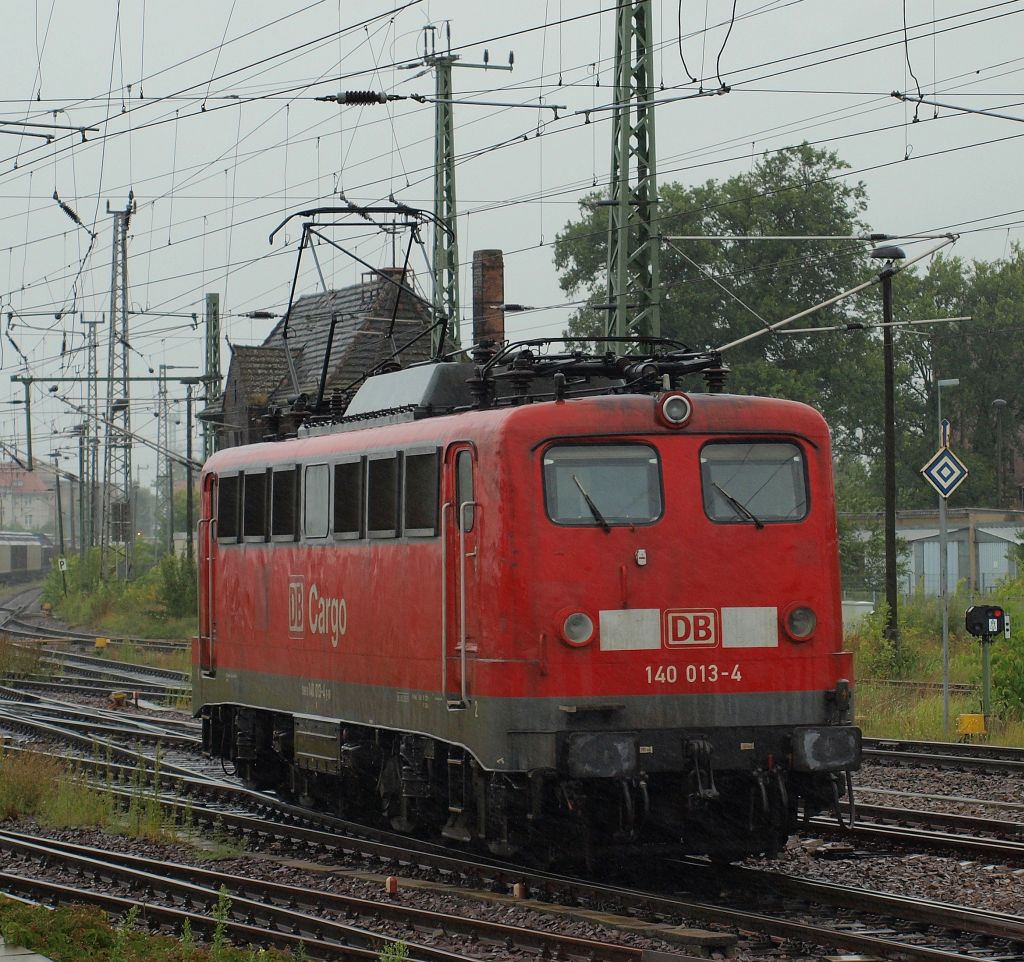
x: 365, y: 335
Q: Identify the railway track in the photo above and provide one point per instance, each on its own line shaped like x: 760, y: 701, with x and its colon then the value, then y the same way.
x: 332, y: 918
x: 323, y: 833
x: 14, y: 624
x: 69, y: 684
x: 917, y: 686
x: 879, y: 924
x: 990, y: 758
x: 115, y: 670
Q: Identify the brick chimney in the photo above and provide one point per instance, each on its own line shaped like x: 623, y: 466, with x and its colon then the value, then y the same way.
x: 488, y: 296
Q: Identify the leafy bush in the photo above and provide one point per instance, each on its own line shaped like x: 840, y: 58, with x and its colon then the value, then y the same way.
x: 1008, y: 676
x: 919, y: 655
x: 160, y: 601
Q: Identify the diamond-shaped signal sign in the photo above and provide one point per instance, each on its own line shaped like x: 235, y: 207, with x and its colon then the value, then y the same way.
x: 945, y: 472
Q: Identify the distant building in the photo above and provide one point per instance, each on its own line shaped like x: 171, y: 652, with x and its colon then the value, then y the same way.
x: 372, y: 321
x: 27, y: 498
x: 980, y: 547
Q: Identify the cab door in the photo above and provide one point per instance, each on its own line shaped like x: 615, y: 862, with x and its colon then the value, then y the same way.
x: 460, y: 611
x: 207, y: 538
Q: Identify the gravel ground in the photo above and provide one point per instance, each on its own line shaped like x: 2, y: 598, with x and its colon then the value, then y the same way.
x: 949, y: 784
x: 943, y: 878
x: 999, y: 888
x: 330, y: 875
x: 949, y: 879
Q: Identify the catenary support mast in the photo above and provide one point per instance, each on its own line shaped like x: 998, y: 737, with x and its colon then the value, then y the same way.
x: 118, y: 525
x: 445, y: 260
x: 634, y: 294
x: 211, y: 374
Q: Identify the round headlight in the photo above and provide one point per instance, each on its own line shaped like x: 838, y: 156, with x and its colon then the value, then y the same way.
x: 675, y: 410
x: 800, y: 623
x: 578, y: 628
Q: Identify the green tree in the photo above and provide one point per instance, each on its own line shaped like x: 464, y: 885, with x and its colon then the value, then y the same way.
x: 985, y: 353
x: 794, y: 192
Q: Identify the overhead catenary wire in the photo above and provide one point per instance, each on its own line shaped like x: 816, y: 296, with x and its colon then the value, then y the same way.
x: 548, y: 195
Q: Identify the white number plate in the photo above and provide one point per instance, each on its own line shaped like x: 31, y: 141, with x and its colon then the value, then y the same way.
x: 692, y: 674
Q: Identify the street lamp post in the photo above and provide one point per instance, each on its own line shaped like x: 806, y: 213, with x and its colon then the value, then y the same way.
x: 890, y: 255
x: 943, y: 574
x: 1000, y: 405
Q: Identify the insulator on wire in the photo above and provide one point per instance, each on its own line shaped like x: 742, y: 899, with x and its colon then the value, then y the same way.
x: 361, y: 97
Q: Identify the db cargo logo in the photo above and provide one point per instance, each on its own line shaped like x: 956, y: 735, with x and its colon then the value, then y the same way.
x: 296, y: 606
x: 692, y: 628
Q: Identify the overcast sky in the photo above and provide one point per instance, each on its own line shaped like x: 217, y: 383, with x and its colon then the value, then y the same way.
x: 208, y: 112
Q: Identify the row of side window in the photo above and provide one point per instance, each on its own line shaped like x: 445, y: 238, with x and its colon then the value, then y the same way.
x: 371, y: 496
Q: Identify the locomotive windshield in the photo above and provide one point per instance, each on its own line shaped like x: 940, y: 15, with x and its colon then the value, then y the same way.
x: 753, y: 482
x: 602, y: 484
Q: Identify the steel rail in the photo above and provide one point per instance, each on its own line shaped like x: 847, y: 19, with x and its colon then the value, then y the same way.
x: 49, y: 893
x: 544, y: 885
x: 186, y: 892
x: 941, y: 914
x: 17, y: 722
x: 75, y: 659
x: 76, y: 712
x: 548, y: 944
x: 946, y: 754
x: 118, y: 731
x: 903, y: 836
x: 977, y: 823
x: 45, y: 683
x: 643, y: 903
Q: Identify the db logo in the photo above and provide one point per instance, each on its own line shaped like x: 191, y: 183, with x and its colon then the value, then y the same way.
x: 296, y: 606
x: 692, y: 628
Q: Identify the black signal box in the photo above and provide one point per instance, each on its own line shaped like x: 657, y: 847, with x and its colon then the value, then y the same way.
x: 986, y: 620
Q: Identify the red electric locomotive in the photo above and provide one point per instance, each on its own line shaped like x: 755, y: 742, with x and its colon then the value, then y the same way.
x: 544, y: 601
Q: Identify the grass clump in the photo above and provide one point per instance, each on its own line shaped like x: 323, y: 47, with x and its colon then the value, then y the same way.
x: 25, y: 779
x: 41, y: 787
x: 889, y: 712
x: 20, y: 661
x: 84, y: 934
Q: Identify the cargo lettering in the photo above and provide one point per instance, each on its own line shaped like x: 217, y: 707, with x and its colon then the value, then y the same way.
x: 327, y: 616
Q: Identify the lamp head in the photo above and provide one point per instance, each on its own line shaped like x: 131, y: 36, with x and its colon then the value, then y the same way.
x: 888, y: 253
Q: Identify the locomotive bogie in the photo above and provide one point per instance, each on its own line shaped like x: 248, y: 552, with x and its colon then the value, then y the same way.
x: 602, y: 619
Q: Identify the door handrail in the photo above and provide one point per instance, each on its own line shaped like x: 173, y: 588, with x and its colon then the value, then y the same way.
x: 462, y: 592
x: 211, y: 540
x: 444, y: 599
x: 209, y: 623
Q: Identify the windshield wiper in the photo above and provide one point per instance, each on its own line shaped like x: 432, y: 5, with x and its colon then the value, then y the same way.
x: 740, y: 507
x: 598, y: 517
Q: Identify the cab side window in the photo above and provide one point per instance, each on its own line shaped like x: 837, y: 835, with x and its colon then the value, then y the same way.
x: 420, y: 494
x: 348, y: 499
x: 227, y: 507
x: 284, y: 518
x: 382, y: 496
x: 464, y: 489
x: 254, y: 512
x: 316, y: 504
